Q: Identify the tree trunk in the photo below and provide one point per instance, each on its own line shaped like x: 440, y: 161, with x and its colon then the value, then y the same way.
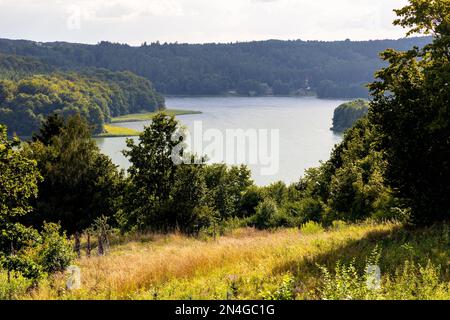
x: 77, y: 244
x: 88, y: 245
x: 101, y: 251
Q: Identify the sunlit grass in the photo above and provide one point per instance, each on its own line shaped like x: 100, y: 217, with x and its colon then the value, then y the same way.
x: 250, y: 264
x: 115, y: 131
x: 149, y: 115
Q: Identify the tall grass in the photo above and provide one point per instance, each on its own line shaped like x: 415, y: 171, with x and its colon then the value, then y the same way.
x: 250, y: 264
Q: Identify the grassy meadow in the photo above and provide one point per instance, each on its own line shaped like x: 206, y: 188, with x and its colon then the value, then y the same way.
x: 116, y: 131
x: 134, y: 117
x: 306, y: 263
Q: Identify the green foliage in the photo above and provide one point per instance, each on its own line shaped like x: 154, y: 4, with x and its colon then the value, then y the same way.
x: 18, y: 179
x: 18, y: 184
x: 79, y: 183
x: 95, y: 94
x: 348, y: 113
x: 330, y: 69
x: 306, y: 209
x: 13, y: 67
x: 311, y: 227
x: 266, y: 215
x: 166, y: 192
x: 417, y: 282
x: 14, y: 286
x: 51, y: 127
x: 409, y: 281
x: 285, y: 291
x: 189, y: 207
x: 410, y: 113
x: 250, y: 199
x: 351, y: 185
x: 227, y: 186
x: 55, y: 252
x: 152, y: 173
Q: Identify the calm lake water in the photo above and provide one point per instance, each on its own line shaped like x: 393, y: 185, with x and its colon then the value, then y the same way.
x: 304, y: 125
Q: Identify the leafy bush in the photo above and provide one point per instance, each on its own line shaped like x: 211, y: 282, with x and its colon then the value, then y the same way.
x: 286, y: 290
x: 251, y: 198
x: 347, y: 283
x: 348, y: 113
x: 338, y: 225
x: 14, y: 286
x: 306, y: 209
x: 311, y: 227
x: 415, y: 281
x: 265, y: 216
x: 55, y: 253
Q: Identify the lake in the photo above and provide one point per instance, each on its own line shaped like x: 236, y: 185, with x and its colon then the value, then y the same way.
x: 303, y: 125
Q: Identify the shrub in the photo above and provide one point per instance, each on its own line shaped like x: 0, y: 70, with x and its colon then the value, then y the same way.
x: 415, y: 281
x: 14, y: 287
x: 265, y: 215
x: 286, y: 290
x: 251, y: 198
x: 347, y: 283
x: 307, y: 209
x: 338, y: 224
x: 311, y: 227
x: 55, y: 253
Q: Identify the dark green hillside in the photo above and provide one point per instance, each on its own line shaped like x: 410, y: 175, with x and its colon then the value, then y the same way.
x: 16, y: 67
x: 329, y: 69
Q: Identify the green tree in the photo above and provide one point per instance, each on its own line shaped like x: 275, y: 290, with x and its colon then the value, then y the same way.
x: 410, y: 110
x: 79, y: 183
x: 19, y: 179
x: 190, y: 208
x: 227, y: 186
x: 50, y: 128
x: 152, y: 173
x: 266, y: 215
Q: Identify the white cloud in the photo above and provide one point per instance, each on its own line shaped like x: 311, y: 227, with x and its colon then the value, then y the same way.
x: 136, y: 21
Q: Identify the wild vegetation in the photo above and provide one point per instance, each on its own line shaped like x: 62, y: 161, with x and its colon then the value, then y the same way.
x: 176, y: 227
x: 98, y: 95
x: 338, y: 69
x: 281, y: 265
x: 348, y: 113
x: 13, y: 67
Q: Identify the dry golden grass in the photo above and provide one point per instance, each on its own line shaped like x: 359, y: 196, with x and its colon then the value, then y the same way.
x: 177, y: 267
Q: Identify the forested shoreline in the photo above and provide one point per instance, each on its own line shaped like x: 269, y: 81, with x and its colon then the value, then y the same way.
x: 338, y: 69
x: 29, y: 96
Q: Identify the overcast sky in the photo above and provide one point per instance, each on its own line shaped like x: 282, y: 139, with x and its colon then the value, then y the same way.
x: 197, y: 21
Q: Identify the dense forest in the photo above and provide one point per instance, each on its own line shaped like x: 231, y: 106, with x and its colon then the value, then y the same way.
x: 97, y: 94
x: 15, y: 67
x: 328, y: 69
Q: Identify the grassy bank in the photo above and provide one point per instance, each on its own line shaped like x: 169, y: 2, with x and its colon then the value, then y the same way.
x: 115, y: 131
x: 250, y: 264
x: 149, y: 115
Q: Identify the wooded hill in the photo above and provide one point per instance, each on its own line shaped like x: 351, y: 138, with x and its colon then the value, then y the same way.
x: 31, y: 90
x: 329, y: 69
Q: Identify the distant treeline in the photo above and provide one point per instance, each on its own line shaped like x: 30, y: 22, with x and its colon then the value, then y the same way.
x: 30, y: 91
x: 13, y: 67
x: 328, y: 69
